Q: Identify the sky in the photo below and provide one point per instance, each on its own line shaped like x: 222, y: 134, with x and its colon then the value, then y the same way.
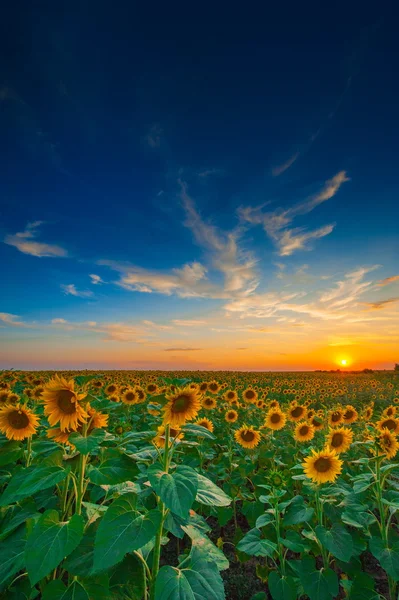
x: 187, y: 188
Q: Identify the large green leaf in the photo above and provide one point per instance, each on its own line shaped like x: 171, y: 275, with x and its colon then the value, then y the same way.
x: 294, y: 541
x: 202, y: 542
x: 198, y: 431
x: 209, y: 493
x: 12, y: 554
x: 115, y: 468
x: 85, y: 445
x: 80, y: 561
x: 298, y: 512
x: 121, y: 530
x: 10, y: 452
x: 254, y: 545
x: 127, y: 579
x: 200, y: 580
x: 320, y: 585
x: 15, y: 516
x: 177, y: 489
x: 362, y: 588
x: 388, y: 557
x: 50, y: 542
x: 281, y: 588
x: 29, y: 481
x: 337, y: 540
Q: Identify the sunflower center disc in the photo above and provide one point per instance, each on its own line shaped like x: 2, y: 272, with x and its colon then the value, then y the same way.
x: 248, y: 436
x: 322, y: 465
x: 18, y: 420
x: 66, y: 401
x: 181, y: 404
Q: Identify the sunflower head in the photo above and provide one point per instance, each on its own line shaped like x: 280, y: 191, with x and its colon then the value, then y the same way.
x: 350, y: 415
x: 231, y: 416
x: 62, y: 404
x: 275, y: 419
x: 183, y: 405
x: 213, y: 387
x: 250, y: 395
x: 304, y: 432
x: 111, y: 389
x: 209, y: 403
x: 339, y: 440
x: 323, y: 466
x: 204, y: 422
x: 389, y: 423
x: 17, y: 422
x: 388, y: 443
x: 247, y: 437
x: 296, y: 412
x: 335, y: 417
x: 62, y: 437
x: 230, y: 395
x: 130, y: 396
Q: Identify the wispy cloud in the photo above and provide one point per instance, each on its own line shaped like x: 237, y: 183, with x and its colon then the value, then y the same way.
x: 24, y: 241
x: 154, y: 136
x: 388, y: 280
x: 379, y: 304
x: 59, y: 321
x: 226, y: 256
x: 157, y: 326
x: 71, y: 290
x: 182, y: 349
x: 96, y: 279
x: 188, y: 322
x: 279, y: 169
x: 12, y: 320
x: 277, y: 223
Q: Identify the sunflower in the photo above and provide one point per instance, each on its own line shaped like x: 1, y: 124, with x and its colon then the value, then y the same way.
x: 250, y: 395
x: 274, y: 404
x: 111, y: 389
x: 140, y: 394
x: 130, y: 396
x: 114, y: 398
x: 213, y: 387
x: 231, y: 416
x: 174, y: 432
x: 204, y: 422
x: 339, y: 440
x: 335, y: 417
x: 390, y: 423
x: 97, y: 383
x: 390, y: 411
x: 296, y: 412
x: 183, y: 405
x: 230, y: 395
x: 317, y: 422
x: 304, y: 432
x: 152, y: 388
x: 275, y: 419
x: 247, y: 437
x: 203, y: 386
x: 350, y: 415
x: 13, y: 398
x: 388, y: 443
x: 62, y: 437
x: 97, y: 419
x: 62, y: 403
x: 323, y: 466
x: 209, y: 403
x: 18, y: 422
x: 368, y: 413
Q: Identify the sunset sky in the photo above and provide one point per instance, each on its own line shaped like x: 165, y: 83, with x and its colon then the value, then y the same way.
x: 200, y: 191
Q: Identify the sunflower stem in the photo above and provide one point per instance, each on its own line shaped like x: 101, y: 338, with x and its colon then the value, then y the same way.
x: 157, y: 547
x: 28, y: 450
x: 81, y: 476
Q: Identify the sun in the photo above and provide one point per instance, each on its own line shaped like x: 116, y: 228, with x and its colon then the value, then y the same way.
x: 344, y: 362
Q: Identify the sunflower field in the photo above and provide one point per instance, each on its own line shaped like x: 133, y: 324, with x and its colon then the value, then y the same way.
x: 129, y: 485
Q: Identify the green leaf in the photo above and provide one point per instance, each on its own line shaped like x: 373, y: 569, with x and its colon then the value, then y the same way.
x: 294, y: 542
x: 209, y: 493
x: 199, y: 581
x: 81, y: 380
x: 29, y: 481
x: 254, y: 545
x: 53, y: 590
x: 80, y: 562
x: 121, y: 530
x: 75, y: 591
x: 177, y: 489
x: 55, y: 539
x: 202, y: 542
x: 10, y: 453
x: 362, y: 588
x: 198, y: 431
x: 387, y: 557
x: 252, y: 510
x: 298, y: 512
x: 281, y: 588
x: 115, y: 468
x: 127, y: 579
x: 12, y: 554
x: 337, y: 540
x: 320, y: 585
x: 264, y: 519
x: 85, y: 445
x: 15, y: 516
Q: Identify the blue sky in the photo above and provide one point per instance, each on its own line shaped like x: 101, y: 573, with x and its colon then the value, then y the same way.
x: 177, y: 187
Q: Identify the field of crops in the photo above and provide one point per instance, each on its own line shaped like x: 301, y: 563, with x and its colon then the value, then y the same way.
x: 199, y: 486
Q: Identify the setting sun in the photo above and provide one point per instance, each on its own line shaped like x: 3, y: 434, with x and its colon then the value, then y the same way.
x: 344, y: 362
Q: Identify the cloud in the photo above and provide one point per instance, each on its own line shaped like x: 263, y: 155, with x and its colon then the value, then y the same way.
x: 156, y: 326
x: 182, y: 349
x: 388, y: 280
x: 10, y: 319
x: 70, y: 290
x: 188, y: 322
x: 24, y: 242
x: 278, y: 170
x: 276, y: 223
x: 381, y: 303
x: 96, y: 279
x: 59, y: 321
x: 154, y: 136
x: 236, y: 265
x: 187, y: 281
